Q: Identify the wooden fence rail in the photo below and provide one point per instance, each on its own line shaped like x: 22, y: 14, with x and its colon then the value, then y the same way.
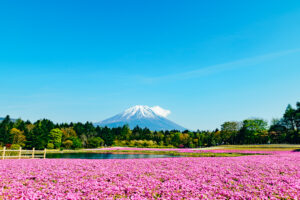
x: 19, y: 154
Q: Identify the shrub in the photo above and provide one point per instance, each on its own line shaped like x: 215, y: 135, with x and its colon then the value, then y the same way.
x: 68, y: 144
x: 124, y: 143
x: 95, y: 142
x: 15, y: 147
x: 140, y: 143
x: 117, y: 143
x: 50, y: 146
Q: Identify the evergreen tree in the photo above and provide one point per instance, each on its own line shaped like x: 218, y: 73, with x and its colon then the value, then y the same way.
x: 5, y: 127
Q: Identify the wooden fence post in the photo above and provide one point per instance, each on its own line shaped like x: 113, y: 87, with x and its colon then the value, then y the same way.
x: 20, y: 153
x: 3, y: 153
x: 45, y: 153
x: 33, y: 152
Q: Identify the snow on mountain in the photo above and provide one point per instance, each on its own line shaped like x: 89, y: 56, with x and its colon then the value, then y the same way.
x: 139, y: 111
x: 160, y: 111
x: 143, y: 116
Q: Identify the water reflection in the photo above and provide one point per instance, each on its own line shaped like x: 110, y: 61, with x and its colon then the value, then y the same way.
x: 104, y: 156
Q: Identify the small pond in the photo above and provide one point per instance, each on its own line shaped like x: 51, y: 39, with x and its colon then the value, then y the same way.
x: 104, y: 156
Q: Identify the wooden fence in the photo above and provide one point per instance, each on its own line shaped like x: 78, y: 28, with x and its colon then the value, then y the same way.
x: 22, y: 154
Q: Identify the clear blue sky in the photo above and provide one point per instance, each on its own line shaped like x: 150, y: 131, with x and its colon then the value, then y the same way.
x: 206, y: 61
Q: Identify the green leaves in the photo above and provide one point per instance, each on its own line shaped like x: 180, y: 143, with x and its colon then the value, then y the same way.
x: 55, y: 137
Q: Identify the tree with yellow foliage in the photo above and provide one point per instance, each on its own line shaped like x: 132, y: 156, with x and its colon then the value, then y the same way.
x: 18, y: 137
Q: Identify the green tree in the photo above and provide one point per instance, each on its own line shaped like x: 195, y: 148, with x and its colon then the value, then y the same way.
x: 175, y: 139
x: 67, y: 133
x: 289, y: 118
x: 90, y: 130
x: 125, y: 133
x: 297, y: 116
x: 184, y: 139
x: 107, y: 135
x: 30, y: 137
x: 253, y: 131
x: 18, y: 137
x: 40, y: 134
x: 19, y: 124
x: 76, y: 142
x: 5, y: 127
x: 229, y: 131
x: 291, y: 122
x: 95, y: 142
x: 55, y: 137
x: 277, y: 131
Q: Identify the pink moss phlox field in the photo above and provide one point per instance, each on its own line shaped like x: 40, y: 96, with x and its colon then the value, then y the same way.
x: 248, y: 177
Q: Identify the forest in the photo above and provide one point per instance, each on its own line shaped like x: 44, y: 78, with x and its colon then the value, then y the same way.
x: 46, y: 134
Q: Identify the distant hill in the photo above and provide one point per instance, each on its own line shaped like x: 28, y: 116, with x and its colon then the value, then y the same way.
x: 142, y: 116
x: 2, y: 118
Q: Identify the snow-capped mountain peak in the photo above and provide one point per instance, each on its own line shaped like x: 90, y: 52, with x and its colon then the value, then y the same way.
x: 143, y: 116
x: 139, y: 111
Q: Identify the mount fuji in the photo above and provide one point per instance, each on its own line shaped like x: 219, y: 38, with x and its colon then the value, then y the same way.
x: 153, y: 118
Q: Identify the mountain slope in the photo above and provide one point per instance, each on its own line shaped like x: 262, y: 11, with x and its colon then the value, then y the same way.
x: 143, y: 116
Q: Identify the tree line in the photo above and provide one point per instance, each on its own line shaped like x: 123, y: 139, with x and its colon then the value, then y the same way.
x: 46, y: 134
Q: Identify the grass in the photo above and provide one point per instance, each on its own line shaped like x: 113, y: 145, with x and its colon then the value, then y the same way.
x: 262, y: 147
